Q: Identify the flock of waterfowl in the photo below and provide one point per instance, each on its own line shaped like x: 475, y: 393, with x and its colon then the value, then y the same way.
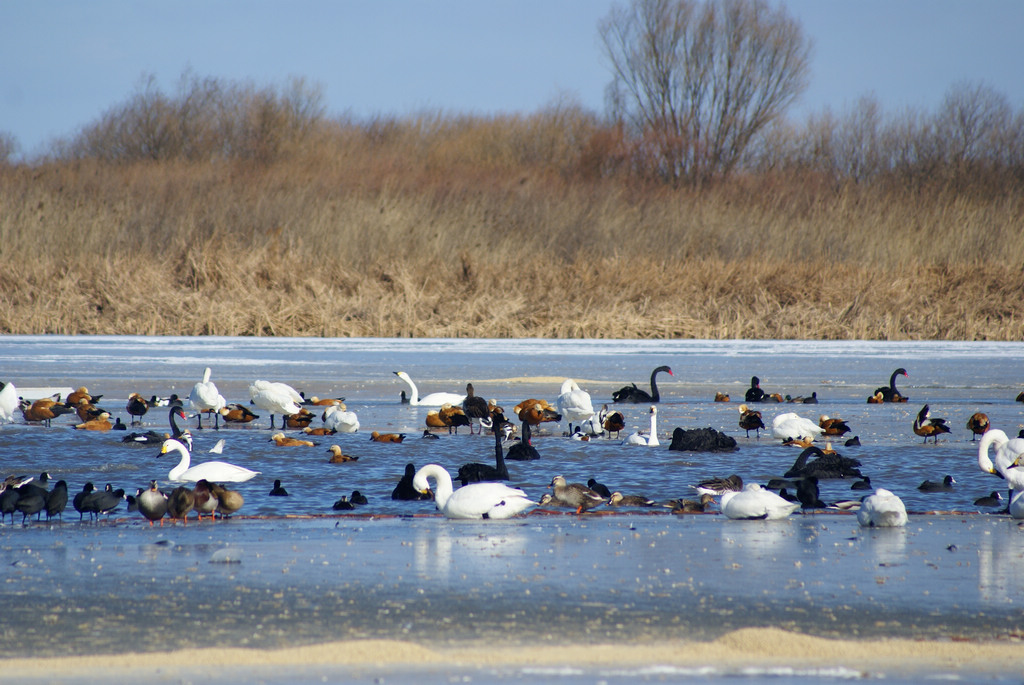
x: 483, y: 494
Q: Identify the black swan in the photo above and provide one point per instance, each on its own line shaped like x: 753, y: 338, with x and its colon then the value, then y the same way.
x: 404, y: 490
x: 754, y: 392
x: 631, y: 393
x: 477, y: 473
x: 701, y: 440
x: 523, y: 450
x: 891, y: 394
x: 824, y: 466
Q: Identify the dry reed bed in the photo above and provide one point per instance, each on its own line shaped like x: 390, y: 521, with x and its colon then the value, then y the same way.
x: 360, y: 249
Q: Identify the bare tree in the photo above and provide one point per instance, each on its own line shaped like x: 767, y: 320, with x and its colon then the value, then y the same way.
x: 697, y: 81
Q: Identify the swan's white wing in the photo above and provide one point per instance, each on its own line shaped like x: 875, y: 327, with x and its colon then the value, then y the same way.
x: 496, y: 500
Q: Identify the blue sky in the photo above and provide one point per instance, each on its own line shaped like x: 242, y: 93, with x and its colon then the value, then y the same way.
x: 66, y: 61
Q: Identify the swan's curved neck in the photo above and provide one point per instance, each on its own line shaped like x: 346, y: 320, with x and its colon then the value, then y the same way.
x: 415, y: 398
x: 172, y: 416
x: 655, y: 395
x: 892, y: 381
x: 183, y: 464
x: 442, y: 486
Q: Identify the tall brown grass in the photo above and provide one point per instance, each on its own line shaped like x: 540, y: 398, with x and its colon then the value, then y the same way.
x: 498, y: 227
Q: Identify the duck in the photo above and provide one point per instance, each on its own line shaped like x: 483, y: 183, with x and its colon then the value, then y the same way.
x: 228, y: 501
x: 452, y: 416
x: 575, y: 494
x: 137, y: 407
x: 315, y: 401
x: 205, y: 398
x: 204, y: 501
x: 890, y: 393
x: 536, y: 412
x: 599, y: 488
x: 237, y: 413
x: 300, y: 420
x: 278, y: 490
x: 718, y: 485
x: 883, y: 509
x: 276, y: 398
x: 877, y: 398
x: 754, y: 393
x: 992, y: 499
x: 43, y: 410
x: 429, y: 436
x: 343, y: 504
x: 319, y: 432
x: 824, y: 466
x: 946, y: 485
x: 928, y: 427
x: 977, y: 424
x: 434, y: 399
x: 833, y: 425
x: 689, y: 506
x: 574, y: 403
x: 180, y: 502
x: 862, y: 484
x: 649, y: 439
x: 404, y: 490
x: 338, y: 418
x: 613, y: 422
x: 358, y: 498
x: 476, y: 472
x: 750, y: 420
x: 473, y: 501
x: 100, y: 423
x: 631, y: 393
x: 281, y: 440
x: 790, y: 426
x: 721, y: 397
x: 376, y: 436
x: 152, y: 504
x: 754, y: 502
x: 210, y: 470
x: 337, y: 457
x: 617, y: 499
x: 475, y: 408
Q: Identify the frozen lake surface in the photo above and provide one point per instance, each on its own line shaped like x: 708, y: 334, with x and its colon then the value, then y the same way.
x: 394, y: 568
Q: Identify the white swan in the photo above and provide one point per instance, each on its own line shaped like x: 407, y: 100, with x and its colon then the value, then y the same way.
x: 1008, y: 452
x: 206, y: 398
x: 790, y: 426
x: 434, y: 399
x: 217, y: 471
x: 754, y: 502
x: 882, y: 510
x: 1016, y: 507
x: 338, y: 418
x: 473, y: 501
x: 651, y: 438
x: 574, y: 403
x: 276, y: 398
x: 8, y: 402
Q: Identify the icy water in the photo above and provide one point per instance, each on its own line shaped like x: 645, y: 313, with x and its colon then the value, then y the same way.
x: 308, y: 575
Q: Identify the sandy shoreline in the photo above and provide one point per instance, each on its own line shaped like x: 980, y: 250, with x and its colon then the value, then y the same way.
x: 765, y: 648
